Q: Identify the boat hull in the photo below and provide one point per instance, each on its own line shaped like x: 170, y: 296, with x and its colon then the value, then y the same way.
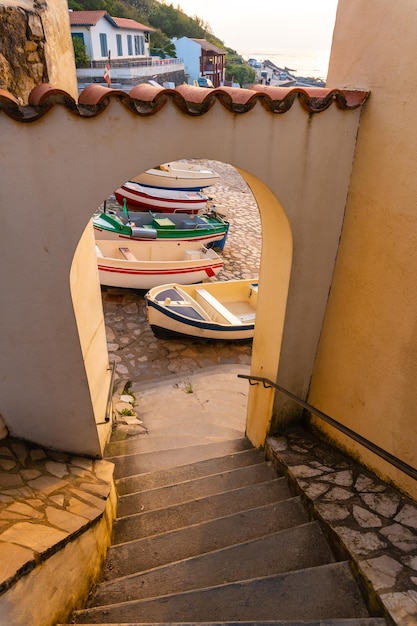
x: 148, y: 267
x: 209, y: 230
x: 185, y: 317
x: 163, y: 200
x: 177, y: 175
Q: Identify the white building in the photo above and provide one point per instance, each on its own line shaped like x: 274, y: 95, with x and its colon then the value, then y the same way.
x: 124, y: 39
x: 202, y: 59
x: 125, y: 42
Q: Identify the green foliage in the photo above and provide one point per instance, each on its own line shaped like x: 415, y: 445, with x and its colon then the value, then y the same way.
x: 161, y: 45
x: 233, y: 58
x: 81, y: 57
x: 240, y: 73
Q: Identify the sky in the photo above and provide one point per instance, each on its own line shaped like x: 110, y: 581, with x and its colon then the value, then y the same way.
x: 245, y: 25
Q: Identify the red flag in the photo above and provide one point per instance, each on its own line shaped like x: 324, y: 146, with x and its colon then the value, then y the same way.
x: 107, y: 76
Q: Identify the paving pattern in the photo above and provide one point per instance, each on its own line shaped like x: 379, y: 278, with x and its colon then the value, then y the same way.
x: 46, y: 498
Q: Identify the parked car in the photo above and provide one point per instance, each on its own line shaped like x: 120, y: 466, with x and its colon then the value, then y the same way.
x: 205, y: 82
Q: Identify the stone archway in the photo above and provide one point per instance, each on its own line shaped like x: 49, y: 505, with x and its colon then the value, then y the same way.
x: 63, y: 163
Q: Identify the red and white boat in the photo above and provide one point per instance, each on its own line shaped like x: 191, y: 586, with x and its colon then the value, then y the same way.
x: 163, y: 200
x: 145, y: 264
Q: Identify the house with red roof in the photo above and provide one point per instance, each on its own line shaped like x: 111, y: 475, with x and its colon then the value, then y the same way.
x: 204, y: 62
x: 120, y: 38
x: 119, y: 52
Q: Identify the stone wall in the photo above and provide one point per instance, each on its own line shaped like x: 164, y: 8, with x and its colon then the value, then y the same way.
x: 22, y: 51
x: 35, y: 47
x: 177, y: 77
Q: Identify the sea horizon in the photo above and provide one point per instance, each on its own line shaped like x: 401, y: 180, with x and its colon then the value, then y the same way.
x: 302, y: 62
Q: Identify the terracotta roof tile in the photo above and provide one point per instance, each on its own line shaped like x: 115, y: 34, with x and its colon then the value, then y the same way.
x: 313, y: 99
x: 85, y: 18
x: 124, y: 22
x: 146, y: 99
x: 206, y: 45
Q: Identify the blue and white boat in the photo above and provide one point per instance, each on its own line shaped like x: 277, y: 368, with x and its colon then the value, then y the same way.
x: 213, y: 310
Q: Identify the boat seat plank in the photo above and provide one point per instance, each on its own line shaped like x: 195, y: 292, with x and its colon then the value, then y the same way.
x: 204, y: 297
x: 128, y: 255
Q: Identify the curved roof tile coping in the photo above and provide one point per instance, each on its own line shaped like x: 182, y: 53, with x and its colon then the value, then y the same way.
x: 146, y: 99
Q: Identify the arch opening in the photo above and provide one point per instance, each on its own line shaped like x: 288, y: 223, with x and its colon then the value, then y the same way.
x: 259, y: 229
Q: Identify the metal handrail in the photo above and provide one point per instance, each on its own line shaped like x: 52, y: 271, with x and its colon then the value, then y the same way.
x: 387, y: 456
x: 107, y: 417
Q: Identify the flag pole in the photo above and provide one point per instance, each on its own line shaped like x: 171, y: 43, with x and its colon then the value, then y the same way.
x: 107, y: 71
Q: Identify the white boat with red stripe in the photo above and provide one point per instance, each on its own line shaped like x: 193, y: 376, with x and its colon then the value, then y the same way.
x: 146, y: 264
x: 163, y: 200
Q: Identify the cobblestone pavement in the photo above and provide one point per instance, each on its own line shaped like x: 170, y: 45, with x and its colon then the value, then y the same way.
x: 138, y: 355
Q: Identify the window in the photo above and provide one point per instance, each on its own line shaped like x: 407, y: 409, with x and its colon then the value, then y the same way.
x: 103, y: 45
x: 78, y: 36
x: 119, y: 45
x: 139, y: 45
x: 129, y: 45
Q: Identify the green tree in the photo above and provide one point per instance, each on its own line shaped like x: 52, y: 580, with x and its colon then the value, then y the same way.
x: 162, y: 46
x: 240, y: 73
x: 80, y: 52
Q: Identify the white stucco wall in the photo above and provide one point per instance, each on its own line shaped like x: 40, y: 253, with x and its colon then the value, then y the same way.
x: 103, y: 26
x: 57, y: 174
x: 190, y: 52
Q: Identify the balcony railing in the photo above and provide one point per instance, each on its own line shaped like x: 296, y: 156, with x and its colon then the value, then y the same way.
x: 133, y: 62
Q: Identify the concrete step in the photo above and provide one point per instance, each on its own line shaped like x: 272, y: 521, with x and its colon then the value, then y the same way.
x: 130, y: 456
x: 195, y: 511
x: 325, y: 592
x: 170, y: 476
x: 200, y: 428
x: 289, y: 550
x: 365, y: 621
x: 362, y: 621
x: 192, y: 489
x: 151, y: 552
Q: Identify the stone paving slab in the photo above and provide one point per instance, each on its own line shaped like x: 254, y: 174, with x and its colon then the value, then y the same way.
x: 368, y: 520
x: 46, y: 497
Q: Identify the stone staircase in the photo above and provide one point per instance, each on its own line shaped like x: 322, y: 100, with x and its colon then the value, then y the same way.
x: 211, y: 534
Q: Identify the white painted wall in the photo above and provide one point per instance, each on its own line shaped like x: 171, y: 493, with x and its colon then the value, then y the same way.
x: 53, y: 365
x: 190, y: 52
x: 92, y: 40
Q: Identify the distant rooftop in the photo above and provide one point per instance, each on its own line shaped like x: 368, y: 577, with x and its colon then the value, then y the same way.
x: 90, y: 18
